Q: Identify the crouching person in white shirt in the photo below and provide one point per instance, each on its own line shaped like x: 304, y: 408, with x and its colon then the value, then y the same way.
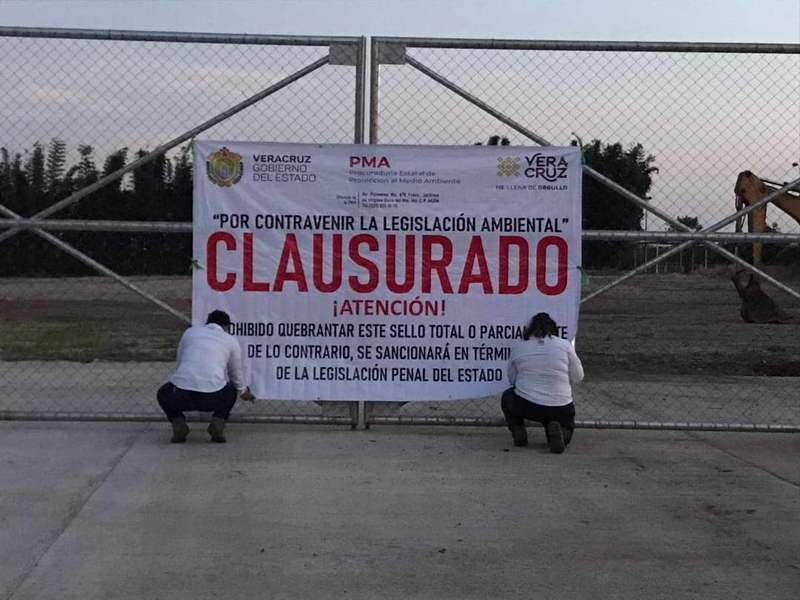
x: 208, y: 378
x: 542, y: 369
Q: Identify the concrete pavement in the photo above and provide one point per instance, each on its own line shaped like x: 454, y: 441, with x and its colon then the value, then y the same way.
x: 111, y: 510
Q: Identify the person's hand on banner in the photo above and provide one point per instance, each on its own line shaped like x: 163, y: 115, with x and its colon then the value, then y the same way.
x: 247, y: 395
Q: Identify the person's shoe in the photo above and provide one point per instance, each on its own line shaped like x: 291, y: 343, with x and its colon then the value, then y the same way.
x: 555, y: 437
x: 567, y: 436
x: 216, y: 429
x: 520, y: 436
x: 179, y: 430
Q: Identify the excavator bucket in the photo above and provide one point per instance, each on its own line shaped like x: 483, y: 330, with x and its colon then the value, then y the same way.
x: 757, y: 306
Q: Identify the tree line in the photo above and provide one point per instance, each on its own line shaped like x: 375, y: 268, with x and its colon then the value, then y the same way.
x: 158, y: 191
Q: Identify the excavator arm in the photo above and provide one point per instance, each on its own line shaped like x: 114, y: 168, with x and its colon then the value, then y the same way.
x: 750, y: 189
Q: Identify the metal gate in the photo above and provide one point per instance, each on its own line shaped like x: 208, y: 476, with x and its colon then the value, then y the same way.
x: 660, y: 350
x: 94, y: 188
x: 96, y: 193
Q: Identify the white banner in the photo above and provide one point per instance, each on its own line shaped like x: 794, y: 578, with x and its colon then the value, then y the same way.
x: 384, y: 272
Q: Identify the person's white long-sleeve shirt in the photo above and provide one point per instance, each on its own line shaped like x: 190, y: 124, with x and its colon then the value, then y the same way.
x: 543, y: 370
x: 208, y: 358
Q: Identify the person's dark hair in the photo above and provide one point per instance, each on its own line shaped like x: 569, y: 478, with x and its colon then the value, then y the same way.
x: 219, y: 317
x: 541, y: 325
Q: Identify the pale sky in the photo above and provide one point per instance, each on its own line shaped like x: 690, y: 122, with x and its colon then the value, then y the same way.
x: 668, y: 20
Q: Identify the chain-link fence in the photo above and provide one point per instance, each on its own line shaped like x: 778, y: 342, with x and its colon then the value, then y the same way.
x: 95, y: 143
x: 674, y: 125
x: 95, y: 148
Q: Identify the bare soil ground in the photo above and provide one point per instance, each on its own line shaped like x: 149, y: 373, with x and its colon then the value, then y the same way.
x: 685, y: 324
x: 650, y: 324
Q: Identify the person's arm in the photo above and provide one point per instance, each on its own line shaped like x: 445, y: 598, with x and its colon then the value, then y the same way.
x: 512, y: 371
x: 575, y: 366
x: 234, y: 368
x: 181, y: 346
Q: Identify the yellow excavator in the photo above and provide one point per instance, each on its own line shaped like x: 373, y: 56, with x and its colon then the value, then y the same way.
x: 757, y: 306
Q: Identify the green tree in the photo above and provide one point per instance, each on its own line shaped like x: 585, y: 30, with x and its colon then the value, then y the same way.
x: 693, y: 223
x: 180, y: 208
x: 155, y: 199
x: 106, y: 203
x: 35, y: 173
x: 55, y: 166
x: 495, y: 140
x: 605, y: 209
x: 23, y: 192
x: 150, y: 185
x: 6, y: 189
x: 87, y: 170
x: 114, y: 162
x: 84, y: 173
x: 19, y: 184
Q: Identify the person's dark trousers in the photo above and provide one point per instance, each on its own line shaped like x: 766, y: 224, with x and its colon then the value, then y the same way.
x: 516, y: 409
x: 174, y: 400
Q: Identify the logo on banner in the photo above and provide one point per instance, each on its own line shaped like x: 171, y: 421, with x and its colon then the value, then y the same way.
x: 375, y: 162
x: 508, y: 167
x: 549, y: 168
x: 224, y: 167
